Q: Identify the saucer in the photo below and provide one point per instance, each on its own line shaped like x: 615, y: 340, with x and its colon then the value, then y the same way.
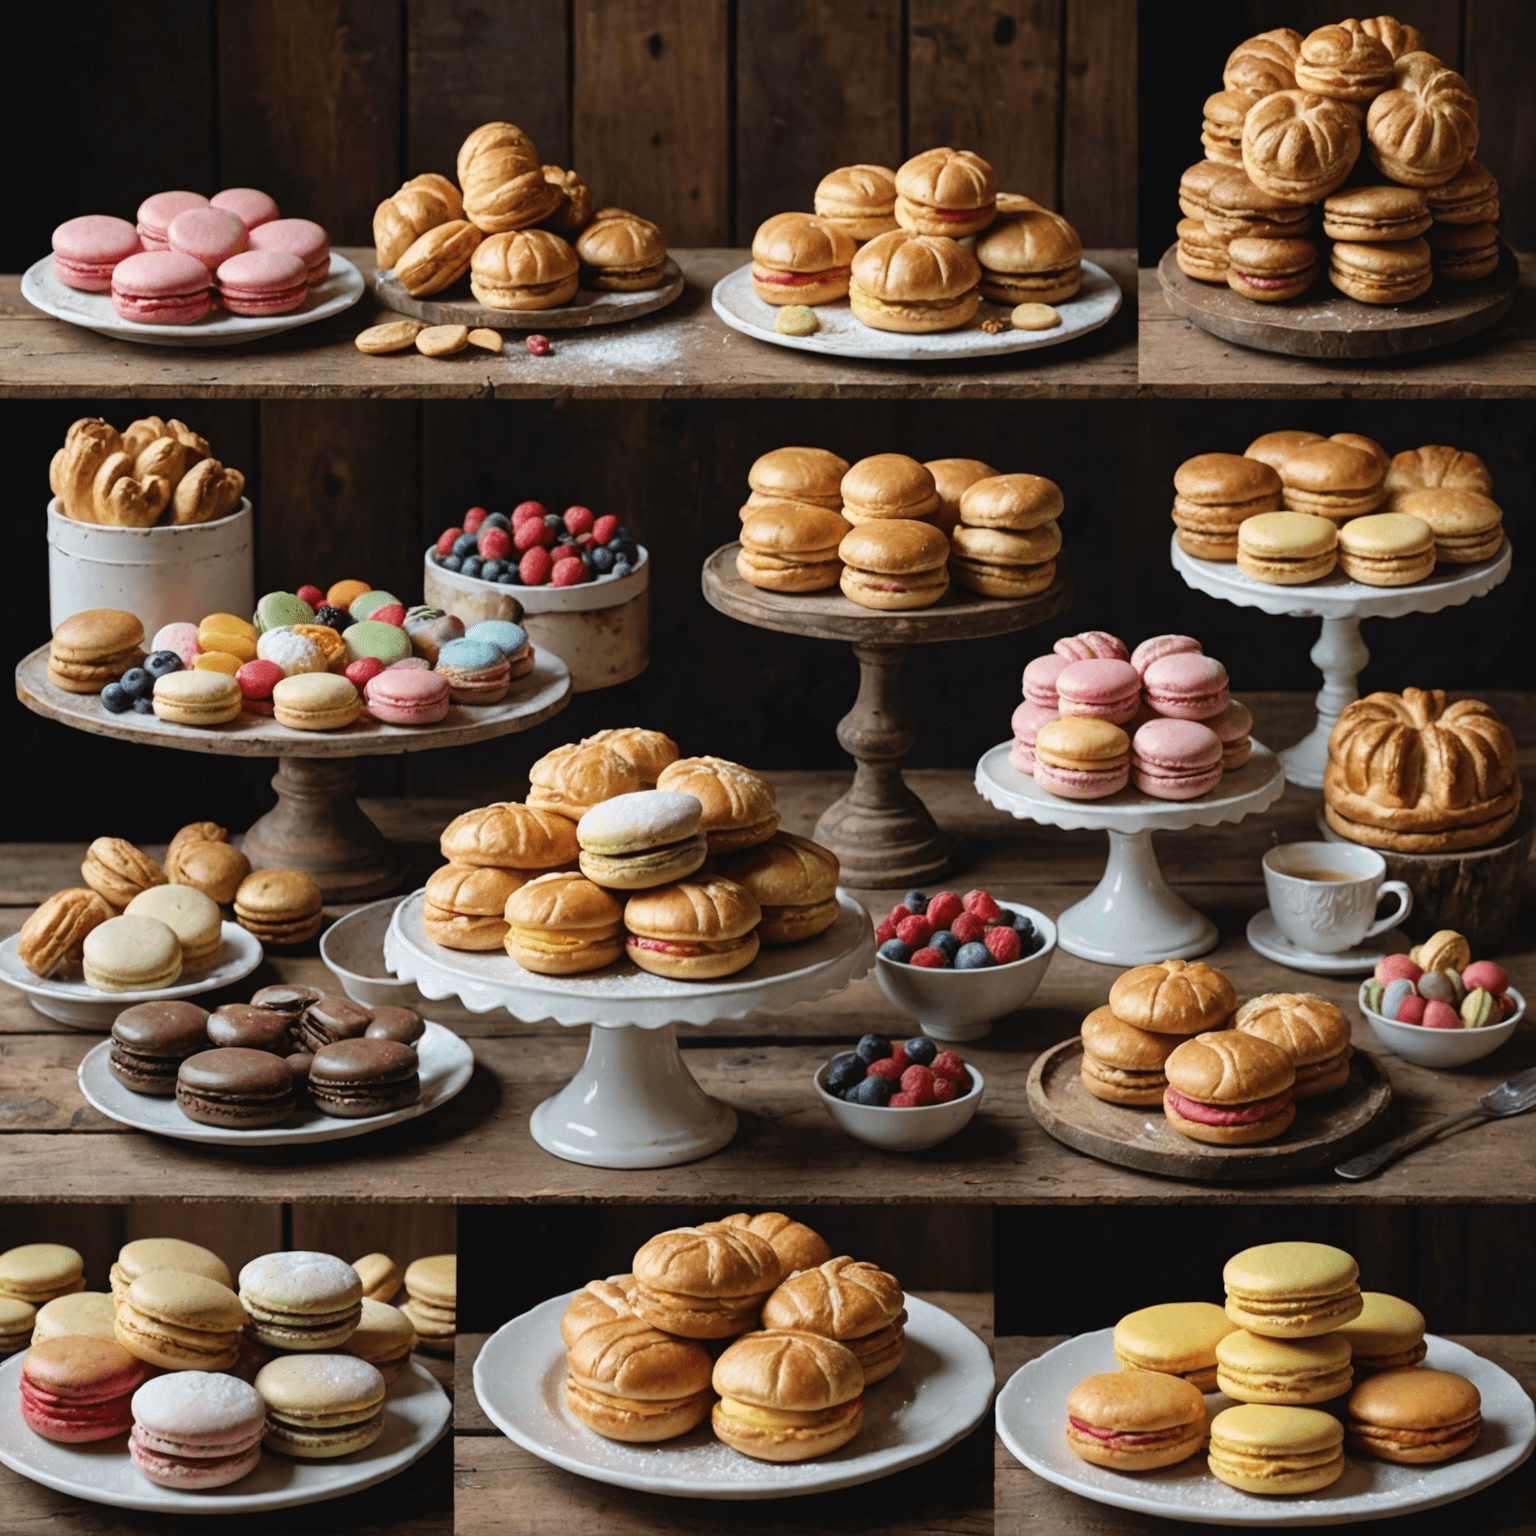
x: 1265, y: 936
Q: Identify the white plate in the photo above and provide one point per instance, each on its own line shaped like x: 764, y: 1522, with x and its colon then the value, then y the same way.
x: 841, y: 335
x: 446, y: 1065
x: 1265, y: 936
x: 340, y: 289
x: 939, y: 1394
x: 1032, y: 1416
x: 82, y: 1006
x: 416, y: 1416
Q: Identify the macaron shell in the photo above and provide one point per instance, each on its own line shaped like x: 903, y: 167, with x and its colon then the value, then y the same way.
x: 414, y: 696
x: 249, y: 205
x: 161, y: 287
x: 157, y: 211
x: 87, y: 250
x: 37, y: 1272
x: 262, y: 283
x: 209, y: 234
x: 298, y: 237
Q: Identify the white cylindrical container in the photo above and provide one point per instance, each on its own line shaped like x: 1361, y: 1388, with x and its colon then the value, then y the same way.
x: 601, y: 630
x: 161, y: 575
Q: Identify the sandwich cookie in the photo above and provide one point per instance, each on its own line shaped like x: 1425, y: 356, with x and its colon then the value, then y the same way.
x: 1387, y: 549
x: 857, y: 1304
x: 1040, y: 681
x: 251, y: 205
x: 738, y: 805
x: 213, y: 866
x: 151, y: 1040
x: 403, y: 1025
x: 792, y: 547
x: 894, y: 565
x: 1159, y: 646
x: 1462, y: 253
x: 210, y: 234
x: 859, y: 200
x: 1471, y: 196
x: 1372, y: 214
x: 798, y: 258
x: 574, y: 778
x: 1468, y: 526
x: 1346, y: 64
x: 1436, y: 467
x: 235, y: 1087
x: 131, y: 954
x: 77, y: 1390
x: 1274, y: 448
x: 1026, y: 722
x: 87, y: 250
x: 1230, y: 1089
x: 1424, y: 128
x: 329, y: 1019
x: 1416, y: 1417
x: 797, y: 1245
x: 196, y: 1429
x: 161, y: 287
x: 909, y: 282
x: 465, y: 905
x: 1175, y: 759
x: 353, y: 1079
x: 1254, y: 1369
x: 507, y: 835
x: 640, y: 840
x: 180, y: 1321
x: 52, y: 940
x: 38, y: 1272
x: 414, y: 696
x: 952, y: 478
x: 201, y: 697
x: 1232, y: 727
x: 1292, y: 1290
x: 1176, y: 1338
x: 147, y: 1253
x: 93, y: 648
x: 524, y: 269
x: 83, y: 1314
x: 563, y: 925
x: 1300, y: 145
x: 706, y: 1282
x: 1135, y: 1421
x: 384, y: 1337
x: 1388, y: 1333
x: 794, y: 882
x: 1031, y: 256
x: 1287, y: 548
x: 1123, y: 1064
x: 1079, y: 757
x: 1202, y: 255
x: 787, y: 1396
x: 888, y: 485
x: 795, y: 477
x: 321, y: 1406
x: 1271, y: 270
x: 622, y: 253
x: 296, y: 237
x: 1259, y: 1448
x: 290, y: 1001
x: 1335, y: 478
x: 193, y: 917
x: 629, y: 1381
x: 1173, y: 997
x: 1236, y: 209
x: 1195, y: 187
x: 694, y: 930
x: 17, y: 1320
x: 1187, y: 686
x: 315, y: 701
x: 1221, y: 131
x: 1310, y: 1030
x: 301, y: 1300
x: 280, y: 906
x: 432, y: 1286
x: 1392, y: 272
x: 946, y: 191
x: 1104, y: 689
x: 508, y: 638
x: 1213, y: 494
x: 998, y: 563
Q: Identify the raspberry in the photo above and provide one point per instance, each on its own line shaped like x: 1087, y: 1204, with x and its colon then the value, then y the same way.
x: 963, y: 1084
x: 932, y: 959
x: 473, y: 518
x: 538, y: 345
x: 445, y: 541
x: 898, y: 912
x: 1004, y: 944
x: 944, y: 1089
x: 899, y: 1055
x: 531, y: 534
x: 885, y: 930
x: 564, y: 552
x: 494, y: 544
x: 979, y: 904
x: 579, y: 520
x: 918, y: 1081
x: 901, y: 1101
x: 568, y: 573
x: 947, y: 1064
x: 967, y: 929
x: 390, y: 613
x: 311, y: 594
x: 526, y: 509
x: 361, y: 670
x: 944, y: 909
x: 534, y: 567
x: 885, y: 1067
x: 605, y: 528
x: 914, y: 930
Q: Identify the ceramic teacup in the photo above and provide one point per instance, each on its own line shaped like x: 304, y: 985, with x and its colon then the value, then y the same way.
x: 1324, y: 895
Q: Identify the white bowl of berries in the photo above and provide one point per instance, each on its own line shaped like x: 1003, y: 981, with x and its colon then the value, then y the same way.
x: 885, y: 1098
x: 957, y: 963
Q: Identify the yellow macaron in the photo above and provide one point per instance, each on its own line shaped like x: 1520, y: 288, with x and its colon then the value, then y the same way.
x: 193, y: 917
x: 1254, y: 1369
x: 197, y: 698
x: 1292, y: 1290
x: 1287, y: 548
x: 229, y: 633
x: 315, y: 701
x: 131, y: 954
x: 1261, y: 1448
x: 1387, y: 549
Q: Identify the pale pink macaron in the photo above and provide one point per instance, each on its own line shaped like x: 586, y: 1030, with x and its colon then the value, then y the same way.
x: 1162, y: 645
x: 1187, y: 686
x: 1027, y: 720
x: 161, y: 288
x: 1109, y: 690
x: 196, y: 1429
x: 410, y: 664
x: 262, y: 283
x: 1040, y: 679
x: 1232, y: 726
x: 409, y: 696
x: 1092, y: 645
x: 247, y: 204
x: 212, y: 235
x: 87, y: 250
x: 299, y: 237
x: 180, y: 638
x: 1175, y: 759
x: 157, y: 211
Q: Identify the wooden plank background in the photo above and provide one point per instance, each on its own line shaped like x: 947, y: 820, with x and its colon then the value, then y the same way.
x: 707, y: 115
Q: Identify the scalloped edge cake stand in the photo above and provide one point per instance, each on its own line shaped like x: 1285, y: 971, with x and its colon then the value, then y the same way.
x: 633, y: 1103
x: 317, y: 824
x: 1132, y: 916
x: 1340, y: 654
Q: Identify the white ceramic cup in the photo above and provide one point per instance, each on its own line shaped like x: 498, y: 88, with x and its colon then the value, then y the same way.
x: 1326, y: 917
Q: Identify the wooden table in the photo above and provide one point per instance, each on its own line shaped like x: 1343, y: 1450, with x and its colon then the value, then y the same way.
x: 952, y: 1494
x: 1027, y: 1504
x: 1178, y: 359
x: 55, y: 1147
x: 684, y: 352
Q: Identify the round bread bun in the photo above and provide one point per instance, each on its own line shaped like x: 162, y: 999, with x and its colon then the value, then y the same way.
x: 1030, y: 257
x: 465, y: 903
x: 888, y: 485
x: 797, y: 1245
x: 894, y: 564
x: 1173, y: 997
x: 860, y: 200
x: 1334, y: 479
x: 1238, y: 484
x: 952, y: 478
x: 507, y: 835
x: 1228, y: 1069
x: 1300, y: 146
x: 738, y: 804
x: 622, y: 253
x: 795, y: 532
x: 813, y: 475
x: 694, y: 929
x: 841, y: 1299
x: 632, y: 1382
x: 1263, y: 64
x: 1003, y: 547
x: 800, y: 259
x: 1424, y: 129
x: 912, y: 282
x: 597, y: 1302
x: 523, y: 269
x: 1430, y: 467
x: 1123, y: 1064
x: 1274, y: 448
x: 706, y: 1282
x: 616, y: 1419
x: 795, y: 883
x: 1015, y: 502
x: 1310, y: 1030
x: 572, y: 779
x: 801, y: 1394
x: 775, y: 574
x: 1136, y: 1403
x: 946, y: 191
x: 1270, y: 270
x: 562, y: 925
x: 650, y: 751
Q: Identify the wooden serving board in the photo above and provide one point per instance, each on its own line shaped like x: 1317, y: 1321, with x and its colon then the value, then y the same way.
x: 1325, y: 323
x: 1326, y: 1130
x: 458, y: 306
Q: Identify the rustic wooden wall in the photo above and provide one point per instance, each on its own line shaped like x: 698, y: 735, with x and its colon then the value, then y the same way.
x: 707, y: 115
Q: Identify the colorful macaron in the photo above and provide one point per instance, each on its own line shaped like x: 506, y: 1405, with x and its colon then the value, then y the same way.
x: 1134, y: 1421
x: 1178, y: 1338
x: 301, y: 1300
x: 1107, y: 689
x: 1187, y: 686
x: 235, y: 1087
x: 37, y: 1272
x: 151, y: 1040
x: 321, y: 1406
x: 1292, y: 1290
x: 161, y: 287
x: 1387, y: 549
x: 510, y: 639
x: 416, y: 696
x: 1232, y: 727
x: 181, y: 1321
x: 201, y: 697
x: 384, y: 1336
x: 262, y: 283
x: 316, y: 701
x: 77, y: 1390
x: 1158, y: 646
x: 196, y: 1429
x: 1079, y: 757
x: 1261, y: 1448
x: 477, y: 671
x: 1175, y: 759
x: 1255, y: 1369
x: 296, y: 237
x: 87, y: 250
x: 1040, y: 680
x: 212, y: 235
x: 1026, y: 722
x: 388, y: 643
x: 1414, y: 1416
x: 353, y: 1079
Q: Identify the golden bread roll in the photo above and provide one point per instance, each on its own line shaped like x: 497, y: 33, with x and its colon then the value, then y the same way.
x: 739, y: 809
x: 622, y: 254
x: 787, y: 1396
x: 507, y: 835
x: 795, y: 883
x: 692, y: 930
x: 706, y: 1282
x: 858, y: 1304
x: 437, y: 258
x: 572, y: 779
x: 523, y: 269
x: 797, y: 1246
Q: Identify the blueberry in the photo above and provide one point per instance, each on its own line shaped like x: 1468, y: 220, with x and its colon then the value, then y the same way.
x: 162, y: 663
x: 873, y: 1047
x: 1030, y: 944
x: 137, y: 683
x: 921, y: 1050
x: 1023, y: 927
x: 115, y: 699
x: 449, y: 563
x: 465, y: 544
x: 338, y: 618
x: 946, y: 944
x: 915, y: 902
x: 472, y: 566
x: 846, y: 1070
x: 144, y: 705
x: 873, y: 1090
x: 974, y: 957
x: 555, y: 521
x: 492, y: 569
x: 602, y: 559
x: 497, y: 520
x: 622, y: 567
x: 894, y: 949
x: 511, y: 577
x: 566, y: 538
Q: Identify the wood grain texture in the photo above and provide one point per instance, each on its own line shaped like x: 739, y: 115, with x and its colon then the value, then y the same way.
x: 405, y: 1232
x: 987, y: 75
x: 1098, y: 160
x: 818, y: 85
x: 650, y: 114
x: 1499, y: 35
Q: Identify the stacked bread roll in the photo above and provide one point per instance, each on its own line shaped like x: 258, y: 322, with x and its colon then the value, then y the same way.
x: 1286, y: 134
x: 154, y: 472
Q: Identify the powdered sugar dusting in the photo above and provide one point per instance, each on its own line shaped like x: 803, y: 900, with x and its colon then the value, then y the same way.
x: 196, y: 1402
x: 647, y: 817
x: 290, y: 1382
x: 301, y: 1276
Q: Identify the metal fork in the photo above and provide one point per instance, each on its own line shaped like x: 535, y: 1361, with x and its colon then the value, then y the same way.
x: 1510, y: 1098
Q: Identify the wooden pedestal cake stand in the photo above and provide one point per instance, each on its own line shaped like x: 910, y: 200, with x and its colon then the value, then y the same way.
x: 316, y: 825
x: 881, y: 832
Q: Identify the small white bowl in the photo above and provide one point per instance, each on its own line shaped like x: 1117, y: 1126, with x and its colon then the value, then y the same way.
x: 961, y: 1005
x: 901, y: 1130
x: 1441, y: 1047
x: 353, y: 950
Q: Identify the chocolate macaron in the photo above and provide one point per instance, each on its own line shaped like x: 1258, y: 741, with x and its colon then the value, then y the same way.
x: 331, y: 1019
x: 256, y: 1029
x: 151, y: 1040
x: 356, y: 1078
x: 235, y: 1087
x: 402, y: 1024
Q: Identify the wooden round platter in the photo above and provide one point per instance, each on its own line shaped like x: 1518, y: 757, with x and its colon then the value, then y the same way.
x: 457, y: 306
x: 1325, y: 323
x: 1326, y: 1129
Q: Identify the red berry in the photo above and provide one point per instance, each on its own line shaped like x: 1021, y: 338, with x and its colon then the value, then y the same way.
x: 526, y: 509
x: 963, y: 1084
x: 605, y: 527
x: 1004, y: 944
x: 944, y: 1089
x: 967, y: 928
x: 564, y: 552
x: 946, y: 1064
x: 901, y: 1101
x: 568, y: 573
x: 538, y: 345
x: 446, y: 540
x: 899, y: 911
x: 885, y: 1067
x: 918, y: 1081
x: 365, y: 667
x: 944, y: 909
x: 390, y: 613
x: 980, y: 904
x: 494, y: 543
x: 529, y: 534
x: 311, y: 594
x: 930, y: 959
x: 885, y: 929
x: 899, y: 1055
x: 534, y: 567
x: 915, y: 930
x: 473, y: 518
x: 579, y: 519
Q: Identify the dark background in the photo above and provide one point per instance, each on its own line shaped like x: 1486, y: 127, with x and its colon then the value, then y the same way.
x: 1490, y: 42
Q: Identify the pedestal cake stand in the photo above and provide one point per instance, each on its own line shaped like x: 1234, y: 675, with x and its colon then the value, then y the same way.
x: 1132, y: 917
x: 316, y: 825
x: 1340, y: 654
x: 881, y: 832
x: 634, y: 1103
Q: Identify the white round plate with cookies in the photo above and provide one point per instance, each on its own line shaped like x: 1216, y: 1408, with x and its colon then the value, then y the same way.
x: 1032, y: 1417
x: 417, y: 1414
x: 340, y: 289
x: 841, y: 334
x: 939, y: 1393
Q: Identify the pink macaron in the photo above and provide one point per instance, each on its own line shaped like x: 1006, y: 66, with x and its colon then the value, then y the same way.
x: 196, y: 1429
x: 262, y: 283
x: 156, y: 213
x: 76, y: 1390
x: 1187, y: 686
x: 247, y: 204
x: 408, y: 696
x: 1092, y: 645
x: 179, y: 637
x: 298, y: 237
x: 87, y: 250
x: 1175, y: 759
x: 1232, y: 726
x: 1040, y: 679
x: 1081, y: 783
x: 212, y: 235
x: 161, y: 288
x: 1027, y: 720
x: 1162, y: 645
x: 1109, y: 690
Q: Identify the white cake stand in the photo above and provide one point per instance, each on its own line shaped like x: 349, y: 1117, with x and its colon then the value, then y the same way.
x: 1132, y: 916
x: 1340, y: 654
x: 634, y: 1103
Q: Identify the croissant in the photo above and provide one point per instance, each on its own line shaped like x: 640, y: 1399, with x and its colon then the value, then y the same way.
x: 574, y: 211
x: 72, y: 474
x: 208, y: 490
x: 400, y: 220
x: 141, y: 433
